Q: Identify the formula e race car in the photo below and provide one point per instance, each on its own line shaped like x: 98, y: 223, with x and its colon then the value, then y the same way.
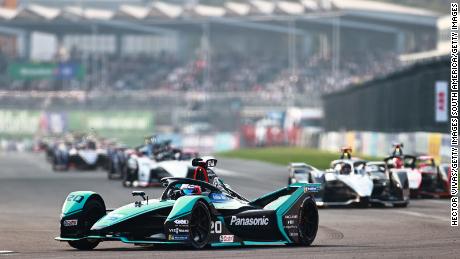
x: 352, y: 181
x: 435, y: 179
x: 194, y: 213
x: 146, y: 165
x: 303, y: 173
x: 83, y: 156
x: 425, y: 178
x: 144, y: 171
x: 391, y: 186
x: 117, y: 161
x: 398, y: 160
x: 444, y: 172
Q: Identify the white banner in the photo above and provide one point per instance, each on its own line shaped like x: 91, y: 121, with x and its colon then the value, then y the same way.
x: 441, y: 101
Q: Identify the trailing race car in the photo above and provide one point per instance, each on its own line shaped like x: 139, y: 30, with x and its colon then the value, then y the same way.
x: 444, y: 171
x: 83, y: 155
x: 391, y: 186
x: 195, y: 213
x: 346, y: 183
x: 425, y: 178
x: 303, y: 173
x: 435, y: 180
x: 117, y: 161
x: 398, y: 160
x: 354, y: 182
x: 143, y: 170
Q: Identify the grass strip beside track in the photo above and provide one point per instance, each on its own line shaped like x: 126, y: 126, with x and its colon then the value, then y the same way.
x: 285, y: 155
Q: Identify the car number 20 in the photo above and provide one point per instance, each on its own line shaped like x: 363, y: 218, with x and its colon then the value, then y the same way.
x: 75, y: 198
x: 216, y: 227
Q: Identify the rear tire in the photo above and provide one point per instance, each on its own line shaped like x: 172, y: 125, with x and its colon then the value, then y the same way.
x: 200, y: 225
x: 414, y: 194
x: 363, y: 203
x: 308, y: 225
x: 93, y: 210
x: 129, y: 176
x: 401, y: 205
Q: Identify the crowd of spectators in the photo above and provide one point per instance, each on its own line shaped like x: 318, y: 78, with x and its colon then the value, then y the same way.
x: 231, y: 72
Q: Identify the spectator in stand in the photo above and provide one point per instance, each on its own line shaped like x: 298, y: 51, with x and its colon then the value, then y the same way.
x: 229, y: 72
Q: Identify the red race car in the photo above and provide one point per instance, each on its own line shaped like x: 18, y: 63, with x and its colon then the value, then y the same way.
x: 426, y: 179
x: 435, y: 179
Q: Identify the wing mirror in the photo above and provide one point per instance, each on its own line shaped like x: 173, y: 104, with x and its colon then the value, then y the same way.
x: 197, y: 162
x: 211, y: 162
x: 205, y: 164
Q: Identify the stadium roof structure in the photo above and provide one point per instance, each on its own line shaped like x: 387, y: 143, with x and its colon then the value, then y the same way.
x: 75, y: 19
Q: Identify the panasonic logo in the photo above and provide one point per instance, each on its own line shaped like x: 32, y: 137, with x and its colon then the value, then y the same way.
x: 249, y: 221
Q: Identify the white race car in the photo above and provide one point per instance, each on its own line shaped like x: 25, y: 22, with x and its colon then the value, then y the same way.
x: 351, y: 181
x: 346, y: 183
x: 143, y: 171
x: 82, y: 156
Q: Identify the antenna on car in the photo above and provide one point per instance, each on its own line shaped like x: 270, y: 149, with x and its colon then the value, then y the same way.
x: 397, y: 149
x: 346, y: 153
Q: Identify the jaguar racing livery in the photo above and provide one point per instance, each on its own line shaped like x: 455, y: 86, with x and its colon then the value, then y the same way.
x: 195, y: 213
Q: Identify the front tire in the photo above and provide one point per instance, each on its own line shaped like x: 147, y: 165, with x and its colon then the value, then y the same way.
x: 200, y: 225
x: 308, y: 225
x: 127, y: 180
x: 84, y: 244
x: 93, y: 210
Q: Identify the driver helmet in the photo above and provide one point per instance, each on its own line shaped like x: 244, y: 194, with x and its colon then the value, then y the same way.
x: 346, y: 169
x: 190, y: 189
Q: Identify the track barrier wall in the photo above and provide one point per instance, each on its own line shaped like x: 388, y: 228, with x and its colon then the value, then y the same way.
x: 379, y: 144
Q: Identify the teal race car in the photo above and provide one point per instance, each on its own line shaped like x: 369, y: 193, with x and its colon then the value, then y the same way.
x: 195, y: 212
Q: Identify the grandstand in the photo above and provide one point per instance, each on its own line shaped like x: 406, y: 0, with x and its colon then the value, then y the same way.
x: 288, y: 52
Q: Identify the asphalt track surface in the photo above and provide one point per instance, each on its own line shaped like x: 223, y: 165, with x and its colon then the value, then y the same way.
x: 31, y: 196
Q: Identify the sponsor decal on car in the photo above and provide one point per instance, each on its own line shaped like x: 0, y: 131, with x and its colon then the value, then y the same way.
x: 70, y: 222
x: 293, y: 234
x: 226, y: 238
x: 235, y: 221
x: 291, y: 227
x: 218, y: 197
x: 178, y: 230
x: 181, y: 221
x: 312, y: 187
x: 113, y: 216
x: 178, y: 237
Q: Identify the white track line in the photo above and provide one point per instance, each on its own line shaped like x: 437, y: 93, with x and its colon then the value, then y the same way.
x: 444, y: 202
x: 5, y: 252
x: 221, y: 171
x: 421, y: 215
